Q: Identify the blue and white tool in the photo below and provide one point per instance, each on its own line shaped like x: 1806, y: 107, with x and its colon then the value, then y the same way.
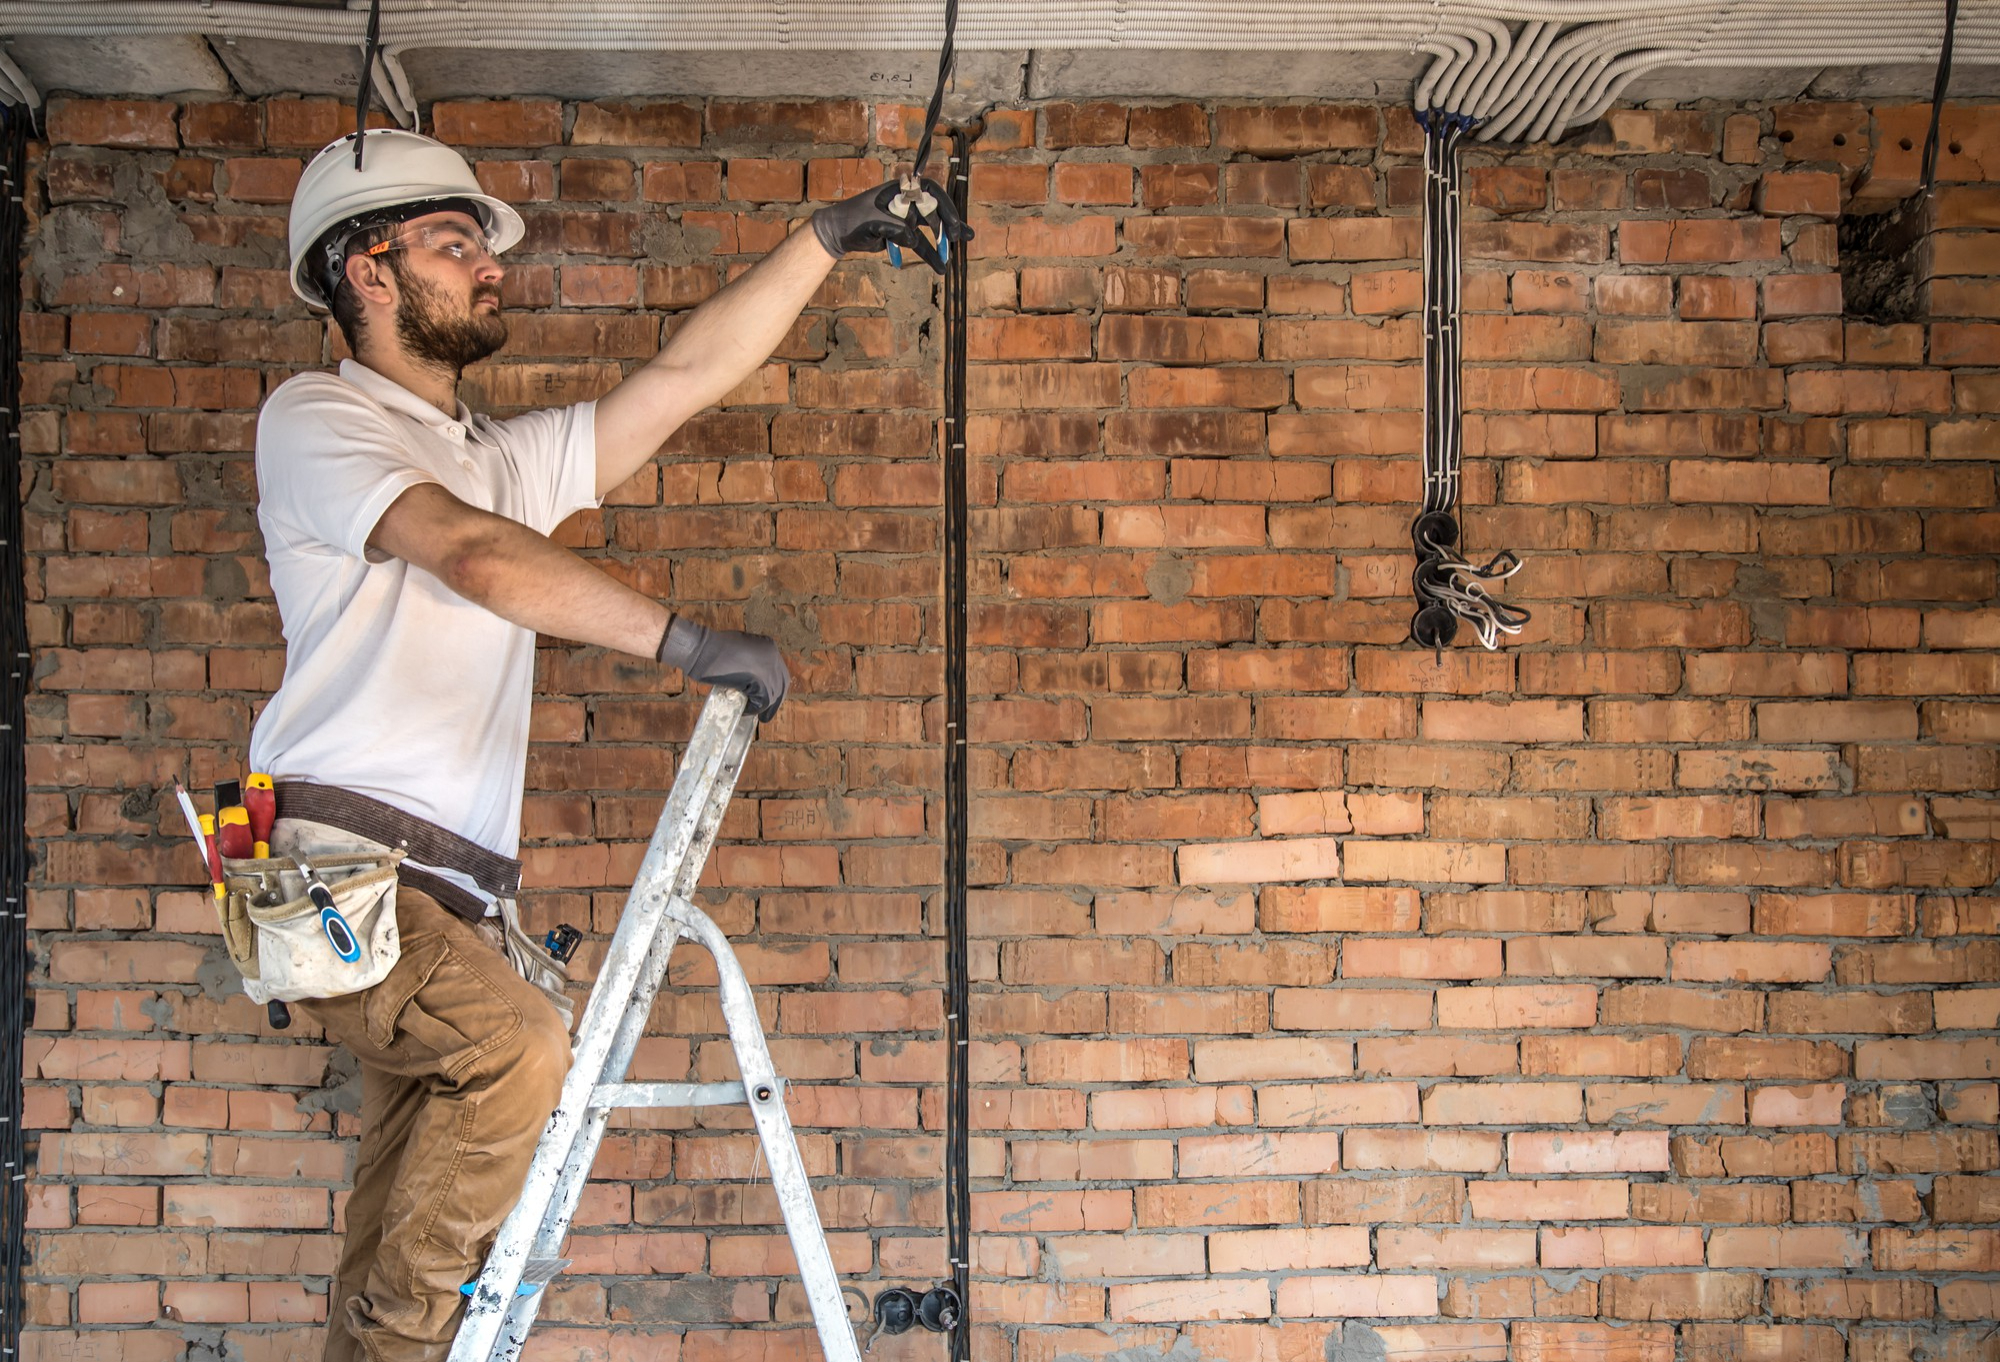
x: 338, y: 934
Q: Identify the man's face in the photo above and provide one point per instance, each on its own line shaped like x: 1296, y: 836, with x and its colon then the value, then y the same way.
x: 449, y: 313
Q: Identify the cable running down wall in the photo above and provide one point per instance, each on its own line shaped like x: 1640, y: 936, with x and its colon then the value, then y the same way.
x: 1449, y: 589
x: 958, y: 1000
x: 16, y: 999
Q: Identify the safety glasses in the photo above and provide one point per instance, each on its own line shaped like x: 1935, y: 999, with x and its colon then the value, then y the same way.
x: 457, y: 243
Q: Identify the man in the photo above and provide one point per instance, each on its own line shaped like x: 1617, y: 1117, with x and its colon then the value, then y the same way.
x: 409, y: 553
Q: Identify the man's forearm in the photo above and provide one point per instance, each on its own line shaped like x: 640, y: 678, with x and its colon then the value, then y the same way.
x: 727, y: 337
x: 721, y: 344
x: 530, y: 580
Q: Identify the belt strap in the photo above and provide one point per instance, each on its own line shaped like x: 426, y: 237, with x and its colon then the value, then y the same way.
x: 424, y: 841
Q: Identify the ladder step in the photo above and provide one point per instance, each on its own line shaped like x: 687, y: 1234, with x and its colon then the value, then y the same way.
x: 611, y: 1095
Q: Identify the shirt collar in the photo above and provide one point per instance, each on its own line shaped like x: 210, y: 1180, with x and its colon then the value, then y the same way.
x: 395, y: 397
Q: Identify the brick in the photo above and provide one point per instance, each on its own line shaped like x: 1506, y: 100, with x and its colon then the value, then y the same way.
x: 1286, y: 130
x: 1258, y: 862
x: 636, y: 124
x: 1183, y: 238
x: 1455, y: 1248
x: 1566, y: 244
x: 1799, y: 192
x: 1170, y: 185
x: 1219, y: 1203
x: 1355, y: 239
x: 1824, y: 132
x: 1225, y: 290
x: 1467, y: 1104
x: 1697, y: 241
x: 1152, y: 127
x: 1851, y: 1298
x: 262, y: 179
x: 112, y: 123
x: 1099, y: 123
x: 497, y: 122
x: 1688, y: 342
x: 1093, y: 183
x: 1178, y: 340
x: 1348, y: 1296
x: 1675, y: 1295
x: 752, y: 121
x: 1567, y: 1199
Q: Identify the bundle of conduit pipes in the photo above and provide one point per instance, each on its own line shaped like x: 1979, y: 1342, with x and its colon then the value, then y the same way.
x: 1521, y: 70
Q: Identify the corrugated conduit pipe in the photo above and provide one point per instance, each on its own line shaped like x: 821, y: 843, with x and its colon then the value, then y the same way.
x: 1527, y: 83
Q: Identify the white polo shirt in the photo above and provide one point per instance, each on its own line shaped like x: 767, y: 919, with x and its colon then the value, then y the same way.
x: 395, y: 686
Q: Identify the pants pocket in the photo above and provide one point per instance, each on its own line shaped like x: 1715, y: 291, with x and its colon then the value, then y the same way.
x: 441, y: 1013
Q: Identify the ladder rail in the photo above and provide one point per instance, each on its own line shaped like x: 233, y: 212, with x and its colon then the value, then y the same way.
x: 652, y: 976
x: 766, y: 1094
x: 573, y: 1172
x: 692, y: 815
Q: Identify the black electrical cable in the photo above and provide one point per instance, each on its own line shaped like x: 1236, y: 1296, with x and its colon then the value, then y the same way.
x: 1937, y: 94
x: 16, y: 1000
x: 957, y: 792
x: 366, y: 91
x: 1448, y: 588
x: 947, y: 58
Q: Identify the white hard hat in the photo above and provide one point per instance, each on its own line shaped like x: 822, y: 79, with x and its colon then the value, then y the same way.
x: 399, y: 171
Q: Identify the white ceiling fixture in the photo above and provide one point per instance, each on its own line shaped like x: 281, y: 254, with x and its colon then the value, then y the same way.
x: 1527, y: 69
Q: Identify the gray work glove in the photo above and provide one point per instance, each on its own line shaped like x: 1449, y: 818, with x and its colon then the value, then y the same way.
x: 726, y: 657
x: 894, y: 216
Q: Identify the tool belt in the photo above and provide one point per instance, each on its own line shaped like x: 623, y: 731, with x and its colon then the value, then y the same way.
x: 310, y: 927
x: 419, y: 840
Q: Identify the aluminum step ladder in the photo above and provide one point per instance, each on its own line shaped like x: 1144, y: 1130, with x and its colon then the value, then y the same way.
x: 658, y: 914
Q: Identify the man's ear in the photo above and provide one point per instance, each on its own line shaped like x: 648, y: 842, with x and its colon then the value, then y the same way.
x: 371, y: 278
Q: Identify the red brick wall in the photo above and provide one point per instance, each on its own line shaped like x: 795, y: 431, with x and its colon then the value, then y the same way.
x: 1625, y: 989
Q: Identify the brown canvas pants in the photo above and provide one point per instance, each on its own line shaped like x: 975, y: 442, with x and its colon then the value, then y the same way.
x: 462, y: 1060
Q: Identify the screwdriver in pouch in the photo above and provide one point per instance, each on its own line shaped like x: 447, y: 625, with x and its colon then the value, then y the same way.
x: 339, y: 934
x: 260, y: 800
x: 232, y: 824
x: 212, y: 853
x: 232, y: 833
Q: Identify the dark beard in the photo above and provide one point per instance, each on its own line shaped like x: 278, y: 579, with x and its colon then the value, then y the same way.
x: 440, y: 341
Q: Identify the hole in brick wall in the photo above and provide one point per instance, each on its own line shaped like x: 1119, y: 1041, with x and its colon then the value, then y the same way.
x: 1906, y: 144
x: 1840, y: 139
x: 1785, y: 136
x: 1882, y: 259
x: 1954, y: 148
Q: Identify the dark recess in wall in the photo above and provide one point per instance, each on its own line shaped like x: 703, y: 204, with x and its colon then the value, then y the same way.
x: 1885, y: 261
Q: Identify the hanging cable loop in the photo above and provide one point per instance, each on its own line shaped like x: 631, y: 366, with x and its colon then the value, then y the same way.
x: 1449, y: 587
